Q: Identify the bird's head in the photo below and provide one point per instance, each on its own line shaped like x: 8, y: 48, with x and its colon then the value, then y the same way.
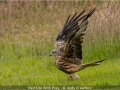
x: 55, y: 53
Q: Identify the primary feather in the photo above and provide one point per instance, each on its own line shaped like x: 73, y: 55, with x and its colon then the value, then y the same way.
x: 70, y: 26
x: 73, y: 46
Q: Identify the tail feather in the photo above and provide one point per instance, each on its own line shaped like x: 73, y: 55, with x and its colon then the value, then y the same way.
x: 91, y: 64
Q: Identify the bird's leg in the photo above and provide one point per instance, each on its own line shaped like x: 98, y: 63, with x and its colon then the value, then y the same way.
x: 73, y: 76
x: 70, y: 75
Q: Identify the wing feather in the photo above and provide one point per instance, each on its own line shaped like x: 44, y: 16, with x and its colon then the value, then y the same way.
x: 73, y: 47
x: 67, y: 21
x: 69, y: 28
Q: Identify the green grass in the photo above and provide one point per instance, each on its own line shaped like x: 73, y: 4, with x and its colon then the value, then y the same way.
x: 27, y: 37
x: 41, y: 72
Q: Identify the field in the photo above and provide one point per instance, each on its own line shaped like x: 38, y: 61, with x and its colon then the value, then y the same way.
x: 27, y: 34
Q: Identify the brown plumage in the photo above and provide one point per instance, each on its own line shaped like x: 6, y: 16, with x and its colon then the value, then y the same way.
x: 68, y: 45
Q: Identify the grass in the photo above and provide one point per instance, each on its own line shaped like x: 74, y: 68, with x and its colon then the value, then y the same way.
x: 27, y: 33
x: 43, y: 72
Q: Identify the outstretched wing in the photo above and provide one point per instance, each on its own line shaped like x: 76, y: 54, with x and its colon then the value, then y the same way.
x: 73, y: 47
x: 69, y: 28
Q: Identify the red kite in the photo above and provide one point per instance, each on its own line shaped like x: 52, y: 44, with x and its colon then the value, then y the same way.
x: 68, y: 48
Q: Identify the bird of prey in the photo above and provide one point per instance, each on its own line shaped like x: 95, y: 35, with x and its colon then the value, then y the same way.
x: 68, y: 45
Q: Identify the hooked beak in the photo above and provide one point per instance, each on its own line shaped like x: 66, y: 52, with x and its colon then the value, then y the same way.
x: 50, y: 54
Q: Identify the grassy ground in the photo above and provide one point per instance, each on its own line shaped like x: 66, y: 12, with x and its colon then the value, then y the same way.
x: 43, y: 72
x: 27, y: 33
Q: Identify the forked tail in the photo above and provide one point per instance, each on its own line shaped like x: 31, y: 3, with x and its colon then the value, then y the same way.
x: 91, y: 64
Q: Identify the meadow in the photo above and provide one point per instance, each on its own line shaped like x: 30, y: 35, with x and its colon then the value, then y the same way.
x: 27, y: 34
